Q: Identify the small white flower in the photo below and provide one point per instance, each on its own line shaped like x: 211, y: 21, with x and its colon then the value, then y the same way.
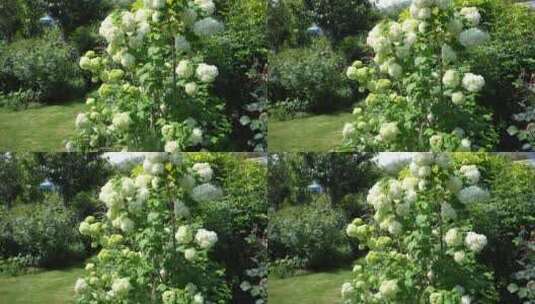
x: 473, y: 82
x: 205, y: 239
x: 207, y: 73
x: 475, y: 242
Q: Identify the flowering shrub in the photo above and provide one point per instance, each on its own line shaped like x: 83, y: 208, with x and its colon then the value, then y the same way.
x: 422, y: 94
x: 421, y: 245
x: 155, y: 92
x: 154, y: 246
x: 526, y: 291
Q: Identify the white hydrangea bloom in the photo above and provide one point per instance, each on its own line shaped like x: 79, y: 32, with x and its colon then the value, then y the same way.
x: 457, y: 98
x: 171, y: 146
x: 472, y: 195
x: 204, y: 170
x: 394, y: 69
x: 207, y: 6
x: 80, y: 286
x: 184, y: 235
x: 181, y: 210
x: 205, y: 238
x: 190, y: 254
x: 182, y: 45
x: 121, y: 120
x: 196, y: 136
x: 184, y: 69
x: 455, y: 26
x: 472, y: 37
x: 207, y: 73
x: 473, y: 82
x: 475, y: 242
x: 127, y: 60
x: 121, y: 286
x: 389, y: 288
x: 389, y: 131
x: 198, y: 299
x: 190, y: 88
x: 471, y: 172
x: 206, y: 192
x: 126, y: 224
x: 453, y: 237
x: 390, y: 6
x: 466, y: 299
x: 349, y: 128
x: 82, y: 121
x: 451, y: 79
x: 395, y: 227
x: 471, y: 14
x: 347, y: 290
x: 128, y: 187
x: 207, y: 27
x: 459, y: 256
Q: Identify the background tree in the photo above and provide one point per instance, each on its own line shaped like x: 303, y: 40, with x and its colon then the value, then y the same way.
x: 74, y: 172
x: 10, y: 187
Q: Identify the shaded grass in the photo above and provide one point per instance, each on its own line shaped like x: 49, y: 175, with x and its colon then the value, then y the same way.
x: 40, y: 129
x: 316, y: 133
x: 47, y: 287
x: 310, y: 288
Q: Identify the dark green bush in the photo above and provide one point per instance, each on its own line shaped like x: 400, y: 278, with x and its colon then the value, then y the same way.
x: 86, y: 37
x: 240, y: 218
x: 313, y: 74
x: 312, y: 232
x: 46, y: 64
x: 47, y: 232
x: 353, y: 47
x: 240, y: 54
x: 287, y: 23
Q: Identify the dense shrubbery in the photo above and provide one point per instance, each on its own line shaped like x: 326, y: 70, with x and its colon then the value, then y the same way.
x: 46, y: 232
x: 45, y: 66
x: 313, y: 75
x: 313, y: 233
x: 240, y: 52
x: 507, y: 56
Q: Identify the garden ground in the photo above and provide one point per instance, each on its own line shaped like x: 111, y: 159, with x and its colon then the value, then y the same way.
x: 47, y: 287
x: 40, y: 129
x: 310, y: 288
x: 319, y: 133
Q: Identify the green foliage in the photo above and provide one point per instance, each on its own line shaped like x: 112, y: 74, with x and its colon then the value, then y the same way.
x: 313, y: 75
x: 240, y: 53
x: 342, y: 18
x: 287, y: 23
x: 526, y: 275
x: 353, y: 47
x: 86, y: 37
x: 47, y: 232
x: 511, y: 207
x: 312, y: 232
x: 240, y: 218
x: 508, y: 55
x: 45, y: 65
x: 286, y: 267
x: 17, y: 265
x: 19, y: 100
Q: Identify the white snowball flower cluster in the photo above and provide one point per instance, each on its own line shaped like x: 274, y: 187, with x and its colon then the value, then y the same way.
x: 120, y: 286
x: 207, y: 6
x: 205, y: 239
x: 80, y: 286
x: 347, y: 290
x: 389, y: 131
x: 207, y: 73
x: 389, y: 288
x: 471, y: 14
x: 451, y: 79
x: 390, y: 6
x: 184, y: 69
x: 204, y: 170
x: 472, y: 194
x: 207, y: 27
x: 475, y: 242
x: 472, y: 82
x: 471, y: 172
x: 453, y: 237
x: 349, y: 128
x: 472, y: 37
x: 184, y: 235
x: 206, y: 192
x: 122, y: 120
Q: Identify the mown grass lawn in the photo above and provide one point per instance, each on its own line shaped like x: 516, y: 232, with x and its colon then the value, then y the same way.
x: 47, y: 287
x: 40, y: 129
x: 310, y: 288
x: 319, y: 133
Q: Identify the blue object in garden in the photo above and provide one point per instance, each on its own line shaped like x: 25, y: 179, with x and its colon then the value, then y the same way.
x: 315, y: 187
x: 47, y: 20
x: 314, y: 30
x: 47, y: 186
